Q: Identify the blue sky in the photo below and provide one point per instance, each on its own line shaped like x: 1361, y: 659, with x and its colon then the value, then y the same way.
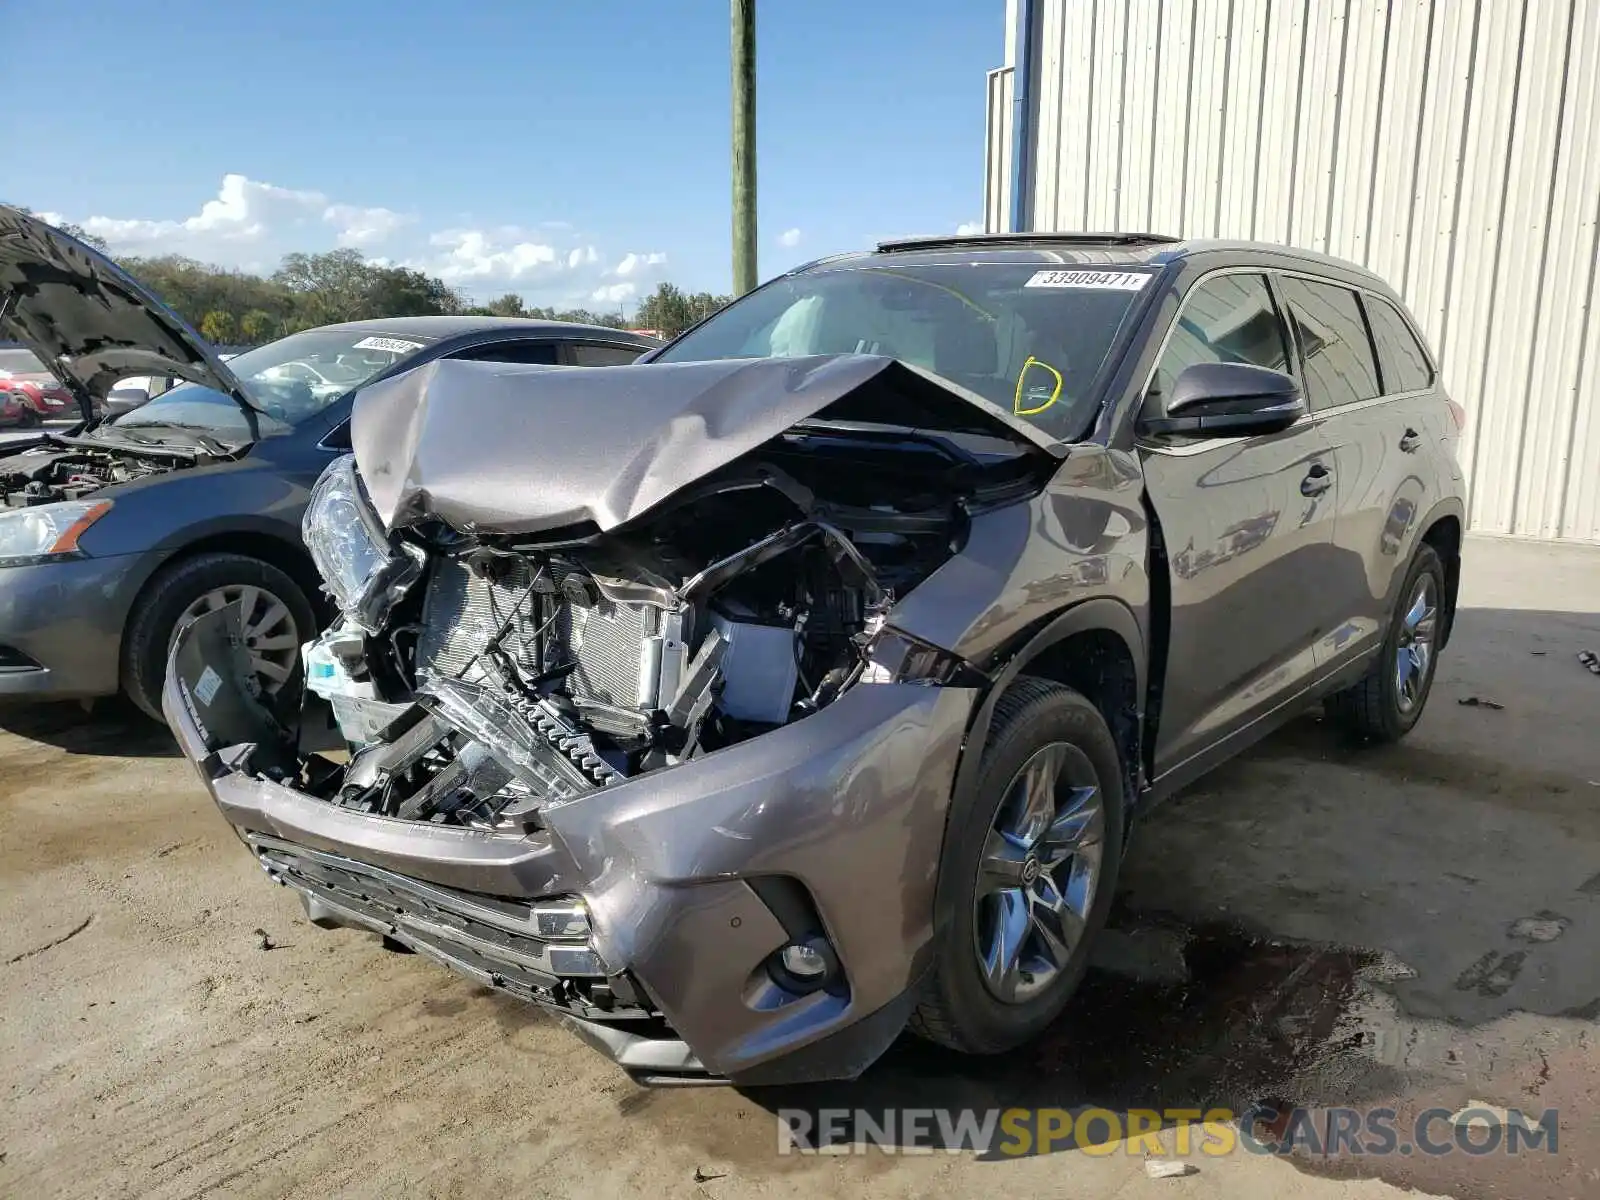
x: 570, y: 152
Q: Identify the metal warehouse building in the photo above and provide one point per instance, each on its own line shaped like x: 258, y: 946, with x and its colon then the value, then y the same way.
x: 1452, y: 146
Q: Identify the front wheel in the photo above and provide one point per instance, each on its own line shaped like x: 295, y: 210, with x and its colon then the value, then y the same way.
x: 1036, y: 856
x: 1388, y: 700
x: 277, y: 619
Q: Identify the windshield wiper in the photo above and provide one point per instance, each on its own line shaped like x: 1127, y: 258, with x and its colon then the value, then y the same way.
x: 123, y: 433
x: 200, y: 433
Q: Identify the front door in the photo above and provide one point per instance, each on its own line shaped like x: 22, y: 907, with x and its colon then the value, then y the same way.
x: 1247, y: 525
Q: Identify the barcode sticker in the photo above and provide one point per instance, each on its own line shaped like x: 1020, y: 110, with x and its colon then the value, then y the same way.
x: 393, y: 345
x: 206, y: 687
x: 1114, y: 281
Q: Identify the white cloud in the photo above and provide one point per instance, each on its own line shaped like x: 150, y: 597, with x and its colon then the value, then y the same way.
x: 968, y: 228
x: 789, y: 238
x: 473, y: 255
x: 251, y: 225
x: 637, y: 263
x: 243, y: 210
x: 364, y: 226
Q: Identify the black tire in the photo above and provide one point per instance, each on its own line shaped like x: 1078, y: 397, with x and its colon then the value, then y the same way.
x: 958, y: 1009
x: 1372, y: 709
x: 147, y: 639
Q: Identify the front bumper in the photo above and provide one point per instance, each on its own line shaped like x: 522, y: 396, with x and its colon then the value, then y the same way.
x: 850, y: 803
x: 63, y: 621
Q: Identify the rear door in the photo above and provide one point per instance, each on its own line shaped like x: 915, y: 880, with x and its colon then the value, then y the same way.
x: 1369, y: 383
x: 1247, y: 524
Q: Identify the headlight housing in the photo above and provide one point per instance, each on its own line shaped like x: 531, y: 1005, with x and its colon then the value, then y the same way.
x: 46, y: 531
x: 363, y: 571
x: 895, y: 657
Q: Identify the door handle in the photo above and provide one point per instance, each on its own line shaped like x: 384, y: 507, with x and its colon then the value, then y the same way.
x: 1411, y: 441
x: 1318, y: 480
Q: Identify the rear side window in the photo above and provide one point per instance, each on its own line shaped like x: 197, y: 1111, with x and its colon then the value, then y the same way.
x: 592, y: 354
x: 1405, y: 363
x: 1340, y: 365
x: 1230, y: 318
x: 535, y: 353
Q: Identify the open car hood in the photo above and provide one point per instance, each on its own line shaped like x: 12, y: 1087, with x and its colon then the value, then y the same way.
x: 89, y: 322
x: 490, y: 448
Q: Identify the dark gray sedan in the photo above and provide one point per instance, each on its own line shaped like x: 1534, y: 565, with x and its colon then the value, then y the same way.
x: 117, y: 532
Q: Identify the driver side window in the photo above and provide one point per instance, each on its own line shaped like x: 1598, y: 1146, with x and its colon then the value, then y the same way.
x: 1230, y: 318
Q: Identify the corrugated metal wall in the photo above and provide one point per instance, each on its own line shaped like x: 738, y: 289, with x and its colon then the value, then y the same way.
x: 997, y: 152
x: 1451, y: 146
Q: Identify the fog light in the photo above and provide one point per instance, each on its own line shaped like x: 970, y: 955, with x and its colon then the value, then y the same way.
x: 804, y: 962
x: 805, y: 966
x: 562, y: 919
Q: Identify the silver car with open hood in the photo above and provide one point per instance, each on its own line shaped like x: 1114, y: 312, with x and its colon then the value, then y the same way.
x: 750, y: 704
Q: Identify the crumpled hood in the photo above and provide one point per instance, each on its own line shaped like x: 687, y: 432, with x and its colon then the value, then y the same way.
x: 492, y: 448
x: 88, y: 321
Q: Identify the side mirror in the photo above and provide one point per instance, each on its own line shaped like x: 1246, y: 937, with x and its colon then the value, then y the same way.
x: 1225, y: 400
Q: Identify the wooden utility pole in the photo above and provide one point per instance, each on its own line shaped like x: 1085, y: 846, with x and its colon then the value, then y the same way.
x: 744, y: 146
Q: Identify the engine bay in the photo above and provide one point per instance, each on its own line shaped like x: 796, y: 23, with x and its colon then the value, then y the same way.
x: 519, y: 673
x: 48, y: 476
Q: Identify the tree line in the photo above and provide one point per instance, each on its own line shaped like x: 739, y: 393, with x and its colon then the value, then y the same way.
x: 231, y: 306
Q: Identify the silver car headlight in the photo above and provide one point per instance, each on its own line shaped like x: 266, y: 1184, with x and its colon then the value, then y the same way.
x: 364, y: 571
x: 46, y: 531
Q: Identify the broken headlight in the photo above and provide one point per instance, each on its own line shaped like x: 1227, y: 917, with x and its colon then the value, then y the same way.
x: 363, y: 571
x: 895, y: 657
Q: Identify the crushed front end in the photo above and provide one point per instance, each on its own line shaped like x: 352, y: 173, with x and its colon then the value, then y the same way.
x: 680, y: 780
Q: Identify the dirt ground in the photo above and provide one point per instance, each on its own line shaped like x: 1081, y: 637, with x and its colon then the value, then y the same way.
x: 1410, y: 927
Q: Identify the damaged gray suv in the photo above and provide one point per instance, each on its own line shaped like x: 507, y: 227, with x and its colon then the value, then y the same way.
x: 802, y: 683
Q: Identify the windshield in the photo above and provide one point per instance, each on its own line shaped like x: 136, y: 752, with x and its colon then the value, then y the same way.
x: 288, y: 380
x: 1028, y: 339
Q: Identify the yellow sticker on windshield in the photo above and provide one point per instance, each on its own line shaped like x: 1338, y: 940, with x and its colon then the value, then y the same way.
x: 1050, y: 394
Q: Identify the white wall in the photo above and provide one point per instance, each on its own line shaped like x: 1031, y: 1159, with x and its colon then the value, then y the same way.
x: 1452, y: 146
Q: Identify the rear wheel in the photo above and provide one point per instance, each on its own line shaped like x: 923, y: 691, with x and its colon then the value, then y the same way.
x: 1036, y: 855
x: 277, y: 619
x: 1389, y: 699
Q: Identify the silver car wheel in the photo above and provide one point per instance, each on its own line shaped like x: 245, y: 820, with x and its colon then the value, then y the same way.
x: 1414, y: 655
x: 1039, y: 874
x: 270, y: 632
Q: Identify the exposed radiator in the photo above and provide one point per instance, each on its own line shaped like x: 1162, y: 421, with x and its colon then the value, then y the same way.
x: 614, y: 645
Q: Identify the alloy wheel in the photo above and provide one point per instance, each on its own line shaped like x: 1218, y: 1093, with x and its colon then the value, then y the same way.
x: 270, y: 632
x: 1414, y: 655
x: 1039, y: 873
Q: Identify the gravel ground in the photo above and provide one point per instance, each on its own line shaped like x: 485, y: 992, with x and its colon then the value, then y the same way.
x: 1411, y: 927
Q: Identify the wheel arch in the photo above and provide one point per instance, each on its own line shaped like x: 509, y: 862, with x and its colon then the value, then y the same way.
x: 257, y: 541
x: 1095, y: 647
x: 134, y: 662
x: 1443, y: 528
x: 1113, y: 653
x: 292, y: 558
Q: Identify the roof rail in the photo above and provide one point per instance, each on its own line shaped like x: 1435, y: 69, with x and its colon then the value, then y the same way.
x: 1013, y: 239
